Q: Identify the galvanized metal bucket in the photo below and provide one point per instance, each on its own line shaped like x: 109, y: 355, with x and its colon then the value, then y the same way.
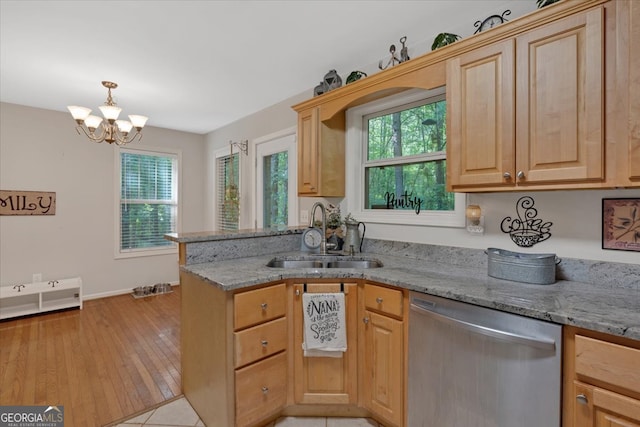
x: 539, y: 269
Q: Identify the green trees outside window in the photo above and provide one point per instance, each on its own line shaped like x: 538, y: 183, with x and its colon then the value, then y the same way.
x: 406, y: 158
x: 148, y: 200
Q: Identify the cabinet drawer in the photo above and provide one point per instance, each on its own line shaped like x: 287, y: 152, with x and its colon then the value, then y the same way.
x: 261, y: 389
x: 259, y: 305
x: 260, y: 341
x: 595, y: 358
x: 383, y: 299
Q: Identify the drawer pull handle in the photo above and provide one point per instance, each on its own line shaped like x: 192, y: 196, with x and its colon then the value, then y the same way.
x: 263, y: 305
x: 264, y: 343
x: 582, y: 399
x: 365, y: 320
x: 520, y: 175
x: 507, y: 175
x: 379, y: 300
x: 265, y: 390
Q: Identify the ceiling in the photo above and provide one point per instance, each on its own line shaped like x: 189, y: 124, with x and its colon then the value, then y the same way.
x: 199, y: 65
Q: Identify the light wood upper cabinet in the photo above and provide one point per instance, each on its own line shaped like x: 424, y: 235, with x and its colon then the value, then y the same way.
x: 326, y: 380
x: 529, y: 110
x: 481, y: 127
x: 320, y: 155
x: 559, y: 107
x: 628, y: 13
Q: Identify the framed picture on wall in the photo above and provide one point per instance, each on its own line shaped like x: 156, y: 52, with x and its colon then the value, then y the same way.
x: 621, y: 224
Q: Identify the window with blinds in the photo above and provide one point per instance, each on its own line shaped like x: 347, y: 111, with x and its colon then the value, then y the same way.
x: 228, y: 192
x: 148, y: 199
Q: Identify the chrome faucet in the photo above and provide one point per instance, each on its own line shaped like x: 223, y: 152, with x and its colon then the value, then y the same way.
x: 323, y: 242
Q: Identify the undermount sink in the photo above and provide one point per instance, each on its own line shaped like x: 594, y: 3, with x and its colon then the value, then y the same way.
x: 315, y: 263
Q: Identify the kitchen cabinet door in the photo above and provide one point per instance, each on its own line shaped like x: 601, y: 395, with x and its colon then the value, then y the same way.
x: 308, y: 152
x: 326, y: 380
x: 560, y: 95
x: 634, y: 90
x: 480, y: 114
x: 320, y: 155
x: 529, y: 111
x: 596, y: 407
x: 383, y: 370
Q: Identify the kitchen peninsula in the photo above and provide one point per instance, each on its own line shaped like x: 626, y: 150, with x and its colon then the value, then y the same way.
x: 598, y: 297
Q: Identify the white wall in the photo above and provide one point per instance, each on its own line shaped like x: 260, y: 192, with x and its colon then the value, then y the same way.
x: 40, y: 151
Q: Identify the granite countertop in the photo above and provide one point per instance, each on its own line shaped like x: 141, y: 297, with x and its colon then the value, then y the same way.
x: 611, y: 310
x: 212, y: 236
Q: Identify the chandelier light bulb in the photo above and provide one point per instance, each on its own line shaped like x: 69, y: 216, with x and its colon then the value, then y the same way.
x: 124, y: 126
x: 79, y: 113
x: 138, y: 121
x: 92, y: 122
x: 110, y: 112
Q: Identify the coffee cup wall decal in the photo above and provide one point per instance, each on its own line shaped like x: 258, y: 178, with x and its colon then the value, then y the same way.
x: 526, y: 230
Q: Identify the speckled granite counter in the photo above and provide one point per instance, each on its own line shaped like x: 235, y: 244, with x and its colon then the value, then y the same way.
x: 612, y: 306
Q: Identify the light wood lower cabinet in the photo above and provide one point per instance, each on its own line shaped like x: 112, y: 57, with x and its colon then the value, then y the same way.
x: 601, y: 380
x: 326, y: 380
x: 243, y: 363
x: 383, y: 360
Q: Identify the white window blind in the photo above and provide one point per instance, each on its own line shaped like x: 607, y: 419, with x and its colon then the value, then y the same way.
x: 228, y: 192
x: 148, y: 199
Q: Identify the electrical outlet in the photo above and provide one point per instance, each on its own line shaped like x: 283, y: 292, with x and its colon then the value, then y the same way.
x: 304, y: 216
x: 37, y: 277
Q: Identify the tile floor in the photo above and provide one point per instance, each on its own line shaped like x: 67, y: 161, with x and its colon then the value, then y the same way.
x: 178, y: 413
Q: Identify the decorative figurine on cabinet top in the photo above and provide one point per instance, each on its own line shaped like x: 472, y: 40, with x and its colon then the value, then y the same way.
x: 393, y: 59
x: 332, y: 80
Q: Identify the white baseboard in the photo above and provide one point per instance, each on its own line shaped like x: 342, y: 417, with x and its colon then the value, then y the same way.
x: 86, y: 297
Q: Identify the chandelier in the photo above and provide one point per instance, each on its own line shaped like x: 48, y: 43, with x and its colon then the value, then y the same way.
x: 111, y: 129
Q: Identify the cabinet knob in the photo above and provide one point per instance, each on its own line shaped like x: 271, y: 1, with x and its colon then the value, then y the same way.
x: 365, y: 320
x: 265, y: 390
x: 506, y: 175
x: 263, y: 306
x: 582, y: 399
x: 264, y: 343
x: 520, y: 175
x: 379, y: 300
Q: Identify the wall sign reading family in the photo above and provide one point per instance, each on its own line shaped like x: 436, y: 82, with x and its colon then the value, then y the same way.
x: 27, y: 203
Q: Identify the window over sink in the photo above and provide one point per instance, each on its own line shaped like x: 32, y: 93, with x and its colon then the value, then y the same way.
x: 396, y: 153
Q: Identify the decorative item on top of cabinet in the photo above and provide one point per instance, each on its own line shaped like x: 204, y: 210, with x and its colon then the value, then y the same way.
x: 355, y: 76
x: 332, y: 80
x: 393, y: 58
x: 540, y: 119
x: 527, y: 229
x: 491, y: 21
x: 444, y: 39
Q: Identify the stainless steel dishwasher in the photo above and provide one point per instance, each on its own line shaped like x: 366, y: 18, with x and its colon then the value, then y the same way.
x: 474, y: 366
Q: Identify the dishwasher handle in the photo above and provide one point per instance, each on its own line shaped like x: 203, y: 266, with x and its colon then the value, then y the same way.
x: 428, y: 307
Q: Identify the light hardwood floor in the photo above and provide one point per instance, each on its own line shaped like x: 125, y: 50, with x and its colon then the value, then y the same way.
x: 115, y: 357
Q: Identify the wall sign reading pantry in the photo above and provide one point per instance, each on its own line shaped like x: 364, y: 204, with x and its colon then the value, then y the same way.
x: 27, y: 203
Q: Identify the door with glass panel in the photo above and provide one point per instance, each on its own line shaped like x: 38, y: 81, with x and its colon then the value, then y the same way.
x: 276, y: 203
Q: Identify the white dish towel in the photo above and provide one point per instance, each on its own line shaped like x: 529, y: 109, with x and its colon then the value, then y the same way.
x: 325, y: 332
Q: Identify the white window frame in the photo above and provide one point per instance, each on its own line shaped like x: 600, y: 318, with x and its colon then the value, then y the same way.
x: 355, y: 164
x: 146, y: 150
x: 284, y: 140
